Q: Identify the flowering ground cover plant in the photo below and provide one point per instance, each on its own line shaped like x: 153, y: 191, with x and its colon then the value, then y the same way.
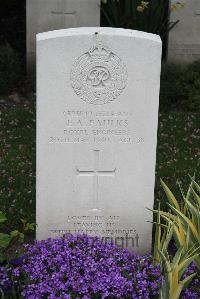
x: 84, y: 267
x: 76, y: 267
x: 193, y: 291
x: 5, y: 282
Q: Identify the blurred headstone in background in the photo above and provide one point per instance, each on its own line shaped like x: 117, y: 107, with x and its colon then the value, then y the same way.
x: 48, y: 15
x: 184, y: 38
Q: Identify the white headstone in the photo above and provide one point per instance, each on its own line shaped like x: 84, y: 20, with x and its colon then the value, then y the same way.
x: 46, y: 15
x: 97, y: 113
x: 184, y: 38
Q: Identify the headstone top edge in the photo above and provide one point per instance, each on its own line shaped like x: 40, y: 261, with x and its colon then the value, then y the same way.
x: 101, y: 30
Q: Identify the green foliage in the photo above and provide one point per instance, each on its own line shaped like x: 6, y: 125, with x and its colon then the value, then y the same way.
x: 27, y: 227
x: 2, y: 217
x: 173, y: 270
x: 180, y: 87
x: 8, y: 241
x: 149, y: 16
x: 10, y: 69
x: 182, y: 223
x: 186, y: 217
x: 177, y: 151
x: 17, y: 172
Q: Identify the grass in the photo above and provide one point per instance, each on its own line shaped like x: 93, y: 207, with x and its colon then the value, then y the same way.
x: 17, y: 164
x: 178, y: 151
x: 178, y: 155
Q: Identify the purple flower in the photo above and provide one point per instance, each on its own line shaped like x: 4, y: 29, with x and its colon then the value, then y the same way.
x: 5, y: 282
x: 84, y: 267
x: 17, y: 261
x: 193, y: 291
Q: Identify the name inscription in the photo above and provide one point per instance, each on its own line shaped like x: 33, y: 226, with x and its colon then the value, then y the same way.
x: 96, y: 127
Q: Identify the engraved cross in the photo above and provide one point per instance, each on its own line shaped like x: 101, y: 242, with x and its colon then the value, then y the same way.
x: 96, y: 173
x: 62, y: 12
x: 64, y: 15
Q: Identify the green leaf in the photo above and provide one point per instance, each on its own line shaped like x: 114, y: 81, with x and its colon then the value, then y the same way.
x: 197, y: 186
x: 169, y: 235
x: 194, y: 211
x: 196, y: 196
x: 170, y: 196
x: 4, y: 240
x: 177, y: 258
x: 188, y: 238
x: 189, y: 192
x: 14, y: 233
x: 197, y: 262
x: 183, y: 265
x: 2, y: 217
x: 166, y: 262
x: 187, y: 222
x: 157, y: 238
x: 188, y: 280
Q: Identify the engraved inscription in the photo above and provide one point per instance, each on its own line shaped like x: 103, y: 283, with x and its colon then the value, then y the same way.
x: 85, y: 126
x: 99, y: 76
x: 61, y: 13
x: 108, y: 227
x: 95, y: 173
x: 184, y: 50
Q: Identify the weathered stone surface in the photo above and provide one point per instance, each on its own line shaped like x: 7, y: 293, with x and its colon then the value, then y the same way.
x: 97, y: 109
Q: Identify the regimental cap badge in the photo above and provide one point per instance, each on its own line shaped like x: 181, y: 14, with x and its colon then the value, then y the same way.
x: 98, y: 76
